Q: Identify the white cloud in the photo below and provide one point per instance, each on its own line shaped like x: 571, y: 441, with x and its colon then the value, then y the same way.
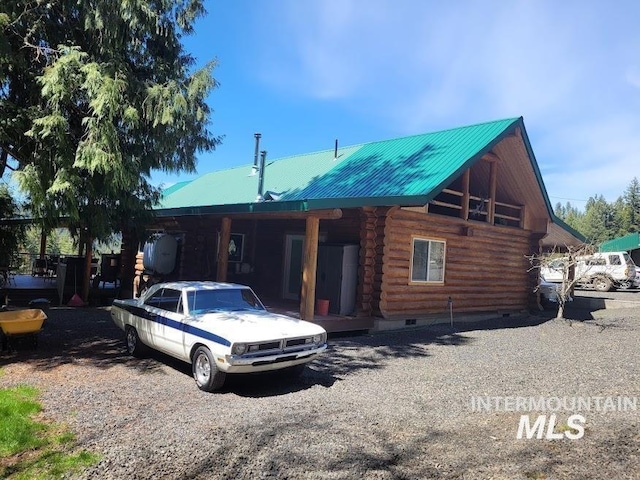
x: 571, y: 68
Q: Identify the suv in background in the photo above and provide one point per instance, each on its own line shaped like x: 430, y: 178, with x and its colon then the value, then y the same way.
x: 602, y: 271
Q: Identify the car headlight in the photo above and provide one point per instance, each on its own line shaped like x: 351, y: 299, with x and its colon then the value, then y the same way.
x: 320, y: 338
x: 238, y: 348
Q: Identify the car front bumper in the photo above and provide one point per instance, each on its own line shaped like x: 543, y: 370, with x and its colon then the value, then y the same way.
x: 248, y: 364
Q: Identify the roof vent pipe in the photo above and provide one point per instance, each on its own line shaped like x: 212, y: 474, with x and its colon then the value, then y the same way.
x: 335, y: 150
x: 254, y: 169
x: 263, y: 156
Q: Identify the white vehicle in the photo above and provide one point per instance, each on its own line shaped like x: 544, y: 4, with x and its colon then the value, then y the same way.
x: 219, y: 328
x: 602, y: 271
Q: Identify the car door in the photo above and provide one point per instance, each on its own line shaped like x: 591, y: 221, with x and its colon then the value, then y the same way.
x: 147, y: 328
x: 164, y: 321
x: 169, y: 323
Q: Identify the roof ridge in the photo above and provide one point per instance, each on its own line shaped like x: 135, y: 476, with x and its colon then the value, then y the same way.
x: 346, y: 147
x: 512, y: 119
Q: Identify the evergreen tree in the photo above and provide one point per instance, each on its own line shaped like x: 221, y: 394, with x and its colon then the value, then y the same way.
x: 11, y: 235
x: 631, y: 210
x: 599, y: 220
x: 570, y: 215
x: 102, y: 94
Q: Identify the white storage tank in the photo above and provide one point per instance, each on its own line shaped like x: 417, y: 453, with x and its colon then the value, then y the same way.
x: 159, y: 254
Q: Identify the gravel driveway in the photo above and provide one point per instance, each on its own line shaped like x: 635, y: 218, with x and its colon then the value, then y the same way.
x: 388, y: 405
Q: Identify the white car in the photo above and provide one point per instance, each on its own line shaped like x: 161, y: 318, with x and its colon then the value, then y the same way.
x: 219, y: 328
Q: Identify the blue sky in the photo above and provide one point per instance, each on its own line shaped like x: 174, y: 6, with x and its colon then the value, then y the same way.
x: 304, y: 73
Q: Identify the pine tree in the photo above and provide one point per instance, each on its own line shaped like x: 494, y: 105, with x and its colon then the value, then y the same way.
x: 631, y: 210
x: 599, y: 220
x: 103, y: 94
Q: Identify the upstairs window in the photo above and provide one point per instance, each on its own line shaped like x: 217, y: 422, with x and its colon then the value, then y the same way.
x: 427, y: 260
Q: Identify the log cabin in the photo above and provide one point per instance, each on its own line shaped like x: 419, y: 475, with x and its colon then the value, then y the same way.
x: 404, y: 231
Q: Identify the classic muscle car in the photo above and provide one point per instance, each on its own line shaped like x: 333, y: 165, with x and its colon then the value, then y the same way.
x: 218, y: 328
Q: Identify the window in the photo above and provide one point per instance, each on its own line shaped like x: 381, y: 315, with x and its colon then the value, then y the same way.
x: 427, y: 260
x: 154, y: 300
x: 615, y: 260
x: 165, y: 298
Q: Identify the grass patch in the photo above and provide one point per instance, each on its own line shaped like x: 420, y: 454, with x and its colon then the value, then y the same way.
x: 563, y: 427
x: 32, y: 449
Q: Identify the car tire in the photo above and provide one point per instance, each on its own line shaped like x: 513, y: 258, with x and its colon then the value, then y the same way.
x: 134, y: 346
x: 205, y: 372
x: 625, y: 285
x: 602, y: 284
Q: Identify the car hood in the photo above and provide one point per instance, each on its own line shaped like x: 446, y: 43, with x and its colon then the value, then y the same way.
x: 255, y: 326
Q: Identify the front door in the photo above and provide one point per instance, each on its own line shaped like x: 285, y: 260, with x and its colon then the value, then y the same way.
x: 294, y: 249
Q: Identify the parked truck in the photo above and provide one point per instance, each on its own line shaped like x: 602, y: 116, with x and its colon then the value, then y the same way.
x: 602, y: 271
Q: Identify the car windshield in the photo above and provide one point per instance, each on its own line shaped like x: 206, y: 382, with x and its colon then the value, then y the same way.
x: 222, y: 300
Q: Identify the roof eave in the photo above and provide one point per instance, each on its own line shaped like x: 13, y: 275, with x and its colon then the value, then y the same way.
x: 256, y: 207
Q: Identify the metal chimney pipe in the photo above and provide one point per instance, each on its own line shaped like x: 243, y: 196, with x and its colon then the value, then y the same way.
x: 263, y: 157
x: 335, y: 151
x: 255, y: 155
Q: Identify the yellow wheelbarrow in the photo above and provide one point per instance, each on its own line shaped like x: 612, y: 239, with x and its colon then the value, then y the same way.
x: 21, y: 323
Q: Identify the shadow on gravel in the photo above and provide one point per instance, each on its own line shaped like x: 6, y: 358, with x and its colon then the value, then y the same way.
x: 70, y: 335
x: 375, y: 351
x: 292, y: 448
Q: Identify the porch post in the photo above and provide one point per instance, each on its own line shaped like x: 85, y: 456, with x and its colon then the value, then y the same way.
x: 492, y: 192
x: 309, y: 267
x: 223, y: 250
x: 464, y: 212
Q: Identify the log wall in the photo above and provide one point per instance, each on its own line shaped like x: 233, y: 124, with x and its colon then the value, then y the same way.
x: 370, y: 271
x: 486, y: 268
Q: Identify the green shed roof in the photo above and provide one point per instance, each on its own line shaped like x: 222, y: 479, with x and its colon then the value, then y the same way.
x: 622, y: 244
x: 403, y: 171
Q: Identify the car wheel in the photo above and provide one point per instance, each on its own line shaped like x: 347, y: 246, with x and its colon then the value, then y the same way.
x: 602, y: 284
x: 134, y: 346
x: 205, y: 372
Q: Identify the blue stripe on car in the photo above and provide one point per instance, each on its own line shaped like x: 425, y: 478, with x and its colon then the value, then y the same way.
x: 198, y: 332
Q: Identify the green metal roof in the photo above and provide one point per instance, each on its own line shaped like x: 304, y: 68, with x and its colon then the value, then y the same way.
x: 403, y: 171
x: 174, y: 187
x: 622, y: 244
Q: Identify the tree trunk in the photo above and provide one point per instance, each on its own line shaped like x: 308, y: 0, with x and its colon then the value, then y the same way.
x: 87, y: 270
x: 4, y: 156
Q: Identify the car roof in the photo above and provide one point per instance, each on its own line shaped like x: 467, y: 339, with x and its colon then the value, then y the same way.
x: 201, y: 285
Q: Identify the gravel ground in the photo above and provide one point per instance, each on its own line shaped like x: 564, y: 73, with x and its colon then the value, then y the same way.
x: 389, y: 405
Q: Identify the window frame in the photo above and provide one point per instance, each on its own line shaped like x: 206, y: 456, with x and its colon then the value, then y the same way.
x: 442, y: 241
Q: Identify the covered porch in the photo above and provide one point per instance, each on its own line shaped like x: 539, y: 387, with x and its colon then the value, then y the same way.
x: 22, y: 289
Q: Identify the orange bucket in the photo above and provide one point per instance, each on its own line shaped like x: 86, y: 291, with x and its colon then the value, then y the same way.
x: 322, y: 306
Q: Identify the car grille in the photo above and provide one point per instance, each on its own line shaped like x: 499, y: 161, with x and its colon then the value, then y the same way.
x: 291, y: 345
